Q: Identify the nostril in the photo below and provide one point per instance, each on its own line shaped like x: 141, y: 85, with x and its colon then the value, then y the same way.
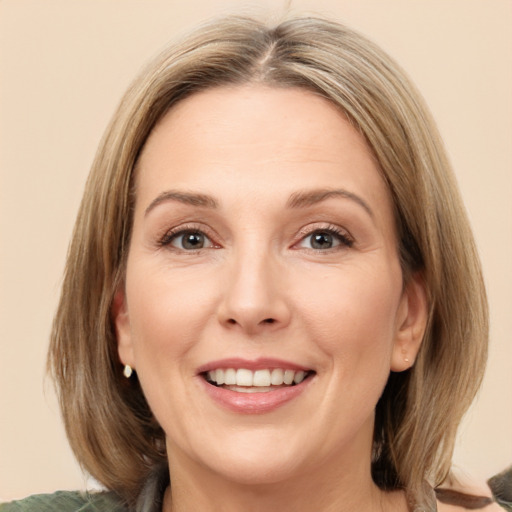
x: 248, y: 324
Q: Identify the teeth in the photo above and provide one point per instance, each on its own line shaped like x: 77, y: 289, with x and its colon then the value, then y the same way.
x: 299, y: 377
x: 230, y: 377
x: 259, y: 378
x: 219, y: 377
x: 243, y: 377
x: 288, y: 376
x: 277, y: 377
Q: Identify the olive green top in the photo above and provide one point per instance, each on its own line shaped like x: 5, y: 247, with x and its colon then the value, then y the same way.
x: 151, y: 498
x: 67, y: 501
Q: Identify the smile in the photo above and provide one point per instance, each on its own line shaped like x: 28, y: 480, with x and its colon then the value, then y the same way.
x: 254, y: 387
x: 243, y: 380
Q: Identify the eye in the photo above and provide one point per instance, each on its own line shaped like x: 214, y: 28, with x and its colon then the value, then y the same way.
x: 187, y: 240
x: 325, y: 239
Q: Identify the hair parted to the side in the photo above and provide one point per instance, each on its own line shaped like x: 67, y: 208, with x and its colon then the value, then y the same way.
x: 108, y: 422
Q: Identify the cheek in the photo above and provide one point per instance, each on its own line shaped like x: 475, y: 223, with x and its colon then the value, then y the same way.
x: 352, y: 314
x: 167, y: 310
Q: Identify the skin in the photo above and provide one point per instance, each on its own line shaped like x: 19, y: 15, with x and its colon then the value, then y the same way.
x: 260, y: 288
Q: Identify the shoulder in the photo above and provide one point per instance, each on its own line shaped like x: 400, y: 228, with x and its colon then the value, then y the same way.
x: 66, y: 501
x: 501, y: 486
x: 490, y: 506
x: 461, y: 492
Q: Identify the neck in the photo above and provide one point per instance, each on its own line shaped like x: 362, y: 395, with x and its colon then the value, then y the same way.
x: 330, y: 490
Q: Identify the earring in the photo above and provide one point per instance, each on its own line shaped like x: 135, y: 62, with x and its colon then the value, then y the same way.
x: 404, y: 353
x: 127, y: 372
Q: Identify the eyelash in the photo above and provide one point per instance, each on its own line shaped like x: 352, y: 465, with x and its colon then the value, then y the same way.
x: 173, y: 234
x: 340, y: 235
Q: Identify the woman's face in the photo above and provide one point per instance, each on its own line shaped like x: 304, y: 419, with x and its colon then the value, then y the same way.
x: 264, y: 251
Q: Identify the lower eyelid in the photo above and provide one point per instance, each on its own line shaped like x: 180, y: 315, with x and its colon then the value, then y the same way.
x: 181, y: 235
x: 164, y: 237
x: 345, y: 239
x: 340, y: 235
x: 340, y: 242
x: 169, y: 237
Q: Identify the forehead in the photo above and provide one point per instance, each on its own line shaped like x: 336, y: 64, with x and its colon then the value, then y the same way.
x: 279, y: 138
x: 222, y: 111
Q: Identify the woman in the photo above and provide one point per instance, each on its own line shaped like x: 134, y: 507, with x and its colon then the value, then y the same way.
x: 272, y: 292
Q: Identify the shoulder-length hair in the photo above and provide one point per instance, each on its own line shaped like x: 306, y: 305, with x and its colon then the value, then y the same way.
x: 109, y: 424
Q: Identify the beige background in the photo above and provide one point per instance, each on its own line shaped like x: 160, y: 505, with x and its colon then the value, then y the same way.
x: 63, y: 67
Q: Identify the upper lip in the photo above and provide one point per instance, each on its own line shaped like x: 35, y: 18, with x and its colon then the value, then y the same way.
x: 261, y: 363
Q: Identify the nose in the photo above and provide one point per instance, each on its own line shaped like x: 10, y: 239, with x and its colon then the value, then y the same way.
x: 254, y: 298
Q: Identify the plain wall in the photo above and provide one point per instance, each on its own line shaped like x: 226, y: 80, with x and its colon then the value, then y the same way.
x: 64, y: 65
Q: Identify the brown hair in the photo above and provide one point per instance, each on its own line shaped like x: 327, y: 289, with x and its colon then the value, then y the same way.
x: 108, y: 421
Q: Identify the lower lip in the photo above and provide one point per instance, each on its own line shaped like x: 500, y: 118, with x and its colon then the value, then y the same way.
x: 254, y: 403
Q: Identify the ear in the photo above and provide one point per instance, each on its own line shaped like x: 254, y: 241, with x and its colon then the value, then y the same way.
x: 411, y: 324
x: 121, y: 320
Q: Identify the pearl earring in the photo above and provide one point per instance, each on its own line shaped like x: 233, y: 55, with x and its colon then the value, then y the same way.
x: 404, y: 353
x: 127, y: 372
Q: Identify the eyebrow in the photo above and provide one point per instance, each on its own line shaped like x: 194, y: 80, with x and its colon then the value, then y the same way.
x: 301, y: 199
x: 312, y: 197
x: 183, y: 197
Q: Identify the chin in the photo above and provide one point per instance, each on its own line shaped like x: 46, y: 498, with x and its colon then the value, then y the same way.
x: 250, y: 458
x: 254, y: 471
